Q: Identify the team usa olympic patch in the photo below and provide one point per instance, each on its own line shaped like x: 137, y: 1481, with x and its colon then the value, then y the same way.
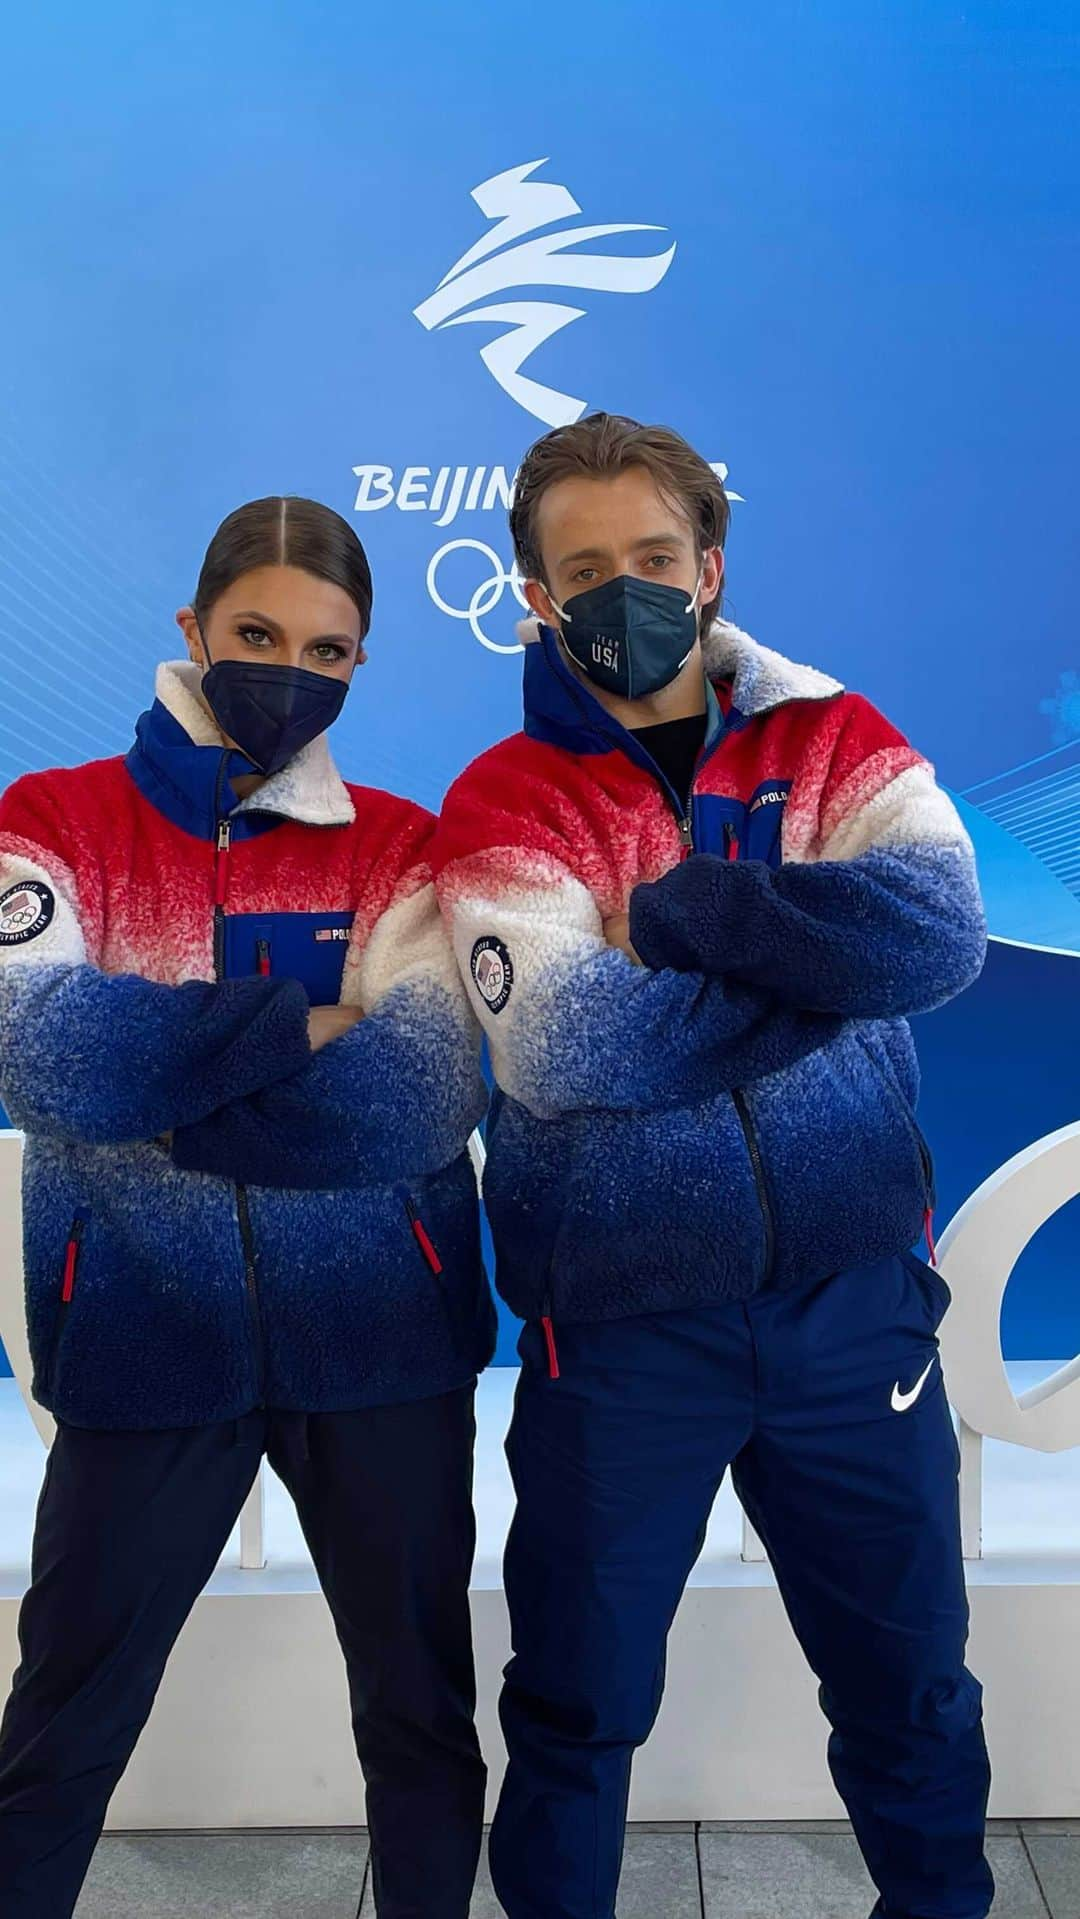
x: 25, y: 911
x: 493, y: 971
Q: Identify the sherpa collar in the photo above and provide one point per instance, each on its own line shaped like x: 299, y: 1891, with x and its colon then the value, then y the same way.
x: 180, y: 763
x: 309, y: 789
x: 761, y: 679
x: 563, y: 711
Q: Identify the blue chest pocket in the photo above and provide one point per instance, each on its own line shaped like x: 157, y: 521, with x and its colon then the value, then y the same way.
x: 719, y: 826
x: 310, y: 947
x: 764, y: 821
x: 735, y: 831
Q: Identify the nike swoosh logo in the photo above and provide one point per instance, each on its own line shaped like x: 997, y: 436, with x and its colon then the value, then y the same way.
x: 902, y: 1401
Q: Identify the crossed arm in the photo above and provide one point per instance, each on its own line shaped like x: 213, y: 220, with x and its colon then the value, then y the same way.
x: 884, y: 921
x: 241, y: 1077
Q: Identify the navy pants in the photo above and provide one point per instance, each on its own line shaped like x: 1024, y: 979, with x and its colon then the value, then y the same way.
x: 848, y: 1468
x: 129, y: 1529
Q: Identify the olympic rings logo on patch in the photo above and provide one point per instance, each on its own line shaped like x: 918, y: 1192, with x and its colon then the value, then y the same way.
x: 26, y: 909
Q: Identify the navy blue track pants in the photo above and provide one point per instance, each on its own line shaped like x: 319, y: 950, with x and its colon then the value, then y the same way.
x: 829, y: 1406
x: 129, y: 1529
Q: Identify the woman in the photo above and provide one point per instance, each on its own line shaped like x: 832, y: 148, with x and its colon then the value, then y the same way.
x: 232, y: 1030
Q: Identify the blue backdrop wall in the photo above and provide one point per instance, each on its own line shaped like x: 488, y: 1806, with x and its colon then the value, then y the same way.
x: 368, y: 254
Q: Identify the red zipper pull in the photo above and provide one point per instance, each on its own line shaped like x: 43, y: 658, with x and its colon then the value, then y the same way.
x: 262, y: 958
x: 552, y: 1349
x: 928, y: 1228
x: 423, y: 1239
x: 71, y: 1261
x: 731, y: 842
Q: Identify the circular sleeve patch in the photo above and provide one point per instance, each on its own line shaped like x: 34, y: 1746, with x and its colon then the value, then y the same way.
x: 26, y: 909
x: 493, y: 972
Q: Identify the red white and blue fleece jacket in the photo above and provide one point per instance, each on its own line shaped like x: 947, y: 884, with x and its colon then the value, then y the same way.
x: 216, y: 1218
x: 739, y: 1111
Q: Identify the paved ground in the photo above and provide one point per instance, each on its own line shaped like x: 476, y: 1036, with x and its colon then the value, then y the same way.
x: 672, y: 1872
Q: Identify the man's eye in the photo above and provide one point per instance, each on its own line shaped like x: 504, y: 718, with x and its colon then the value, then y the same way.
x: 255, y: 635
x: 585, y: 573
x: 660, y: 562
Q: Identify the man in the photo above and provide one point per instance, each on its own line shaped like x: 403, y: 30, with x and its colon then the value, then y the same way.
x: 695, y: 901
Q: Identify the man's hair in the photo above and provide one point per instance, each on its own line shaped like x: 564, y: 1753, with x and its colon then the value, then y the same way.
x: 601, y: 446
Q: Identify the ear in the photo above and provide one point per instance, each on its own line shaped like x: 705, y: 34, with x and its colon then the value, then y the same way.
x: 712, y: 574
x: 541, y: 603
x: 189, y: 627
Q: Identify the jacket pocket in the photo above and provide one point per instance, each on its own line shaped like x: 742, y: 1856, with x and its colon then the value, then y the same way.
x: 429, y: 1253
x: 422, y: 1236
x: 932, y: 1286
x: 69, y: 1277
x: 898, y: 1100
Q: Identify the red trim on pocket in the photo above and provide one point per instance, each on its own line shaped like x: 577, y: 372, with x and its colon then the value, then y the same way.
x: 71, y: 1262
x: 928, y: 1228
x: 424, y: 1239
x: 552, y: 1349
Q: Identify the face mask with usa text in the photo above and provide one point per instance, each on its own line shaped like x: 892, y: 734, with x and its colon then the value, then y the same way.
x: 631, y: 637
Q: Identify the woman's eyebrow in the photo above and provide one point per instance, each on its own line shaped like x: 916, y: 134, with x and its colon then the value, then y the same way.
x: 272, y: 626
x: 249, y: 613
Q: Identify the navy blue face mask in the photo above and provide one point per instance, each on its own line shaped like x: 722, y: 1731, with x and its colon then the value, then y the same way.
x: 271, y: 712
x: 631, y: 636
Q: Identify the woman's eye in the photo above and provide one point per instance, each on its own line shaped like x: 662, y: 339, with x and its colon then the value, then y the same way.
x: 330, y: 653
x: 255, y: 635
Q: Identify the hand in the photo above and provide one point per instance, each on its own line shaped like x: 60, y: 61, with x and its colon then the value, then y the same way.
x: 330, y: 1022
x: 617, y: 934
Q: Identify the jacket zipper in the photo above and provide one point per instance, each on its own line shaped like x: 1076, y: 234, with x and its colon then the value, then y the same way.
x: 247, y: 1241
x: 757, y: 1166
x: 685, y: 822
x: 262, y: 958
x: 222, y: 837
x: 753, y: 1148
x: 221, y: 887
x: 243, y: 1211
